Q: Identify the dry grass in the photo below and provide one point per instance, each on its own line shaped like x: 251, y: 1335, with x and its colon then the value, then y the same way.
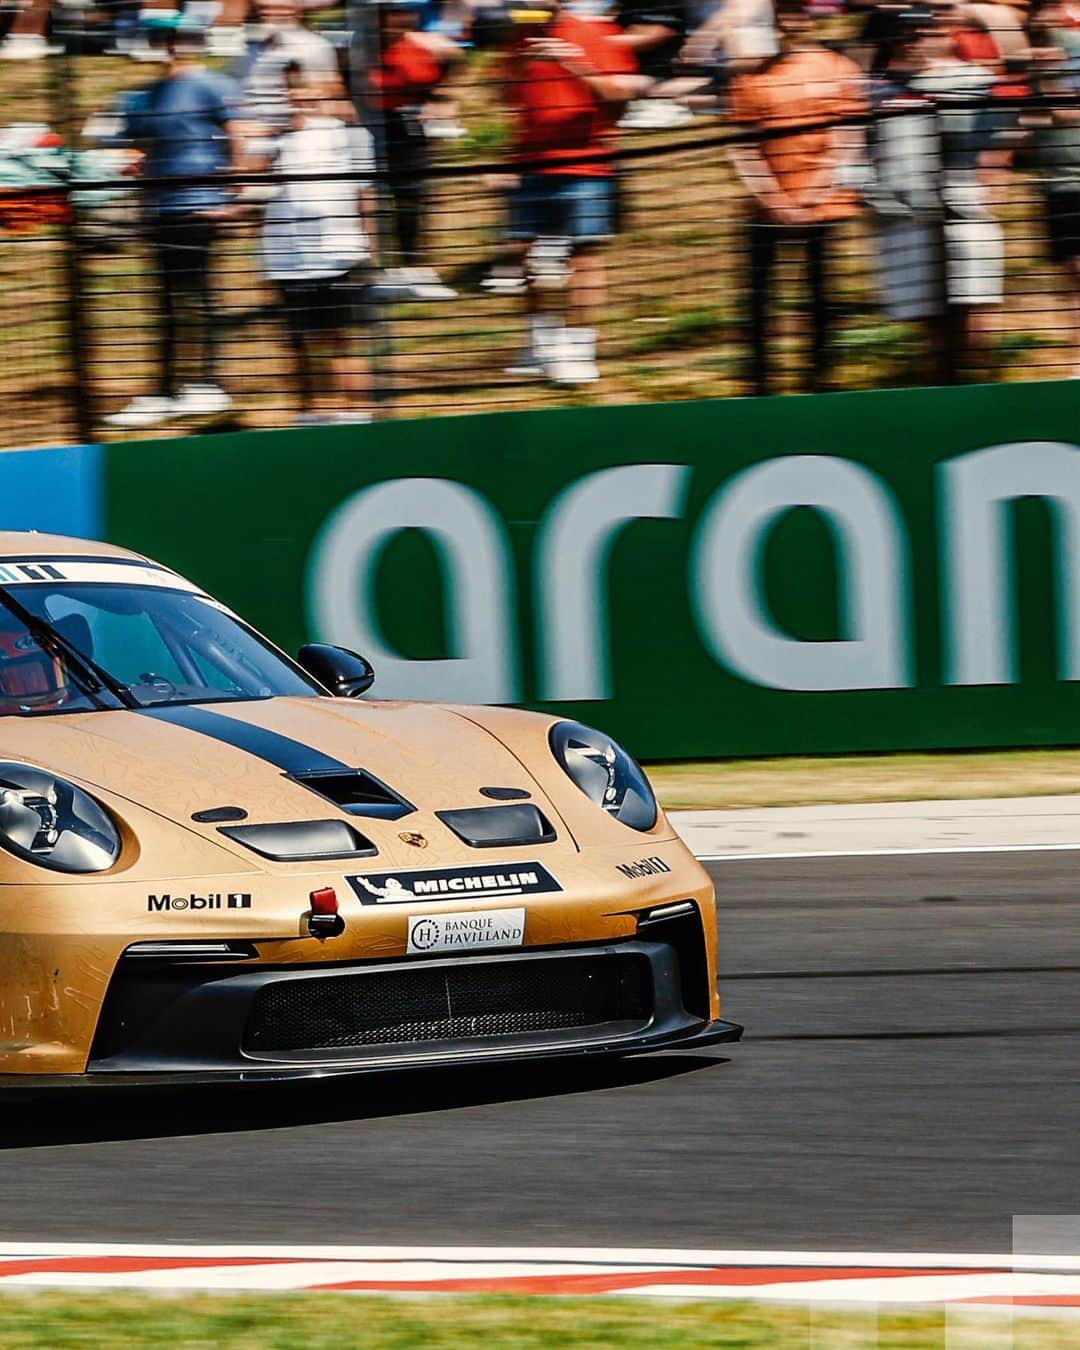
x: 842, y: 779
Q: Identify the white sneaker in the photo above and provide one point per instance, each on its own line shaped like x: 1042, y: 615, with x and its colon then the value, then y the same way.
x: 144, y: 411
x: 351, y: 416
x: 142, y: 51
x: 504, y: 281
x: 443, y: 129
x: 531, y: 362
x: 425, y: 284
x: 573, y: 357
x: 392, y: 284
x: 26, y: 47
x: 412, y: 283
x: 526, y: 365
x: 202, y: 400
x: 655, y: 114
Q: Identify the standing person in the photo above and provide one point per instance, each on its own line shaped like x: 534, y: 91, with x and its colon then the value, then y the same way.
x: 568, y: 81
x: 277, y: 41
x: 940, y: 249
x: 185, y: 125
x: 796, y: 180
x: 411, y: 66
x: 655, y: 31
x: 1057, y: 148
x: 973, y: 237
x: 314, y: 244
x: 905, y: 194
x: 734, y: 36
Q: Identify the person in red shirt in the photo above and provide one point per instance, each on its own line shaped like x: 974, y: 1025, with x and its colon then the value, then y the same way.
x: 567, y: 80
x: 411, y: 67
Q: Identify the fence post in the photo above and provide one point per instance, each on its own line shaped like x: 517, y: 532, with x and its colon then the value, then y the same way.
x: 65, y: 116
x: 363, y: 24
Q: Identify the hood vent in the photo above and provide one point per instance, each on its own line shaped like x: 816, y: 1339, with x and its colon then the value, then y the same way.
x: 499, y: 826
x: 302, y: 840
x: 357, y: 792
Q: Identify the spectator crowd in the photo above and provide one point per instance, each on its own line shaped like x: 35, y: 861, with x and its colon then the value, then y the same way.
x: 910, y: 116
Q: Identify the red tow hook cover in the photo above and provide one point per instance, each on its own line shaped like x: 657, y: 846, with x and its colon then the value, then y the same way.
x: 323, y: 918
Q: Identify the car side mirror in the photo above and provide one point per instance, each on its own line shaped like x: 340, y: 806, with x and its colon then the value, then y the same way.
x: 343, y: 672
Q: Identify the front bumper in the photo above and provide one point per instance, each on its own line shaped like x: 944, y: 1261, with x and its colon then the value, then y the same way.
x: 192, y: 1023
x: 706, y: 1034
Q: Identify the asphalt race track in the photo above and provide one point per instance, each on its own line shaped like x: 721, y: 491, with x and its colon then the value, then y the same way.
x: 908, y: 1082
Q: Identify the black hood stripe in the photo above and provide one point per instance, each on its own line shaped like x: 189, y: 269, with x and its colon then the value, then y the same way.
x: 291, y: 757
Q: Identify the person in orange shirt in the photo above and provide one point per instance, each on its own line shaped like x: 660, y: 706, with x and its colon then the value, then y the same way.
x: 796, y: 180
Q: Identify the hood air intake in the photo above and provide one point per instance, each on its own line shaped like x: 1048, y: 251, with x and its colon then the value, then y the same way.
x: 357, y: 792
x: 303, y: 840
x: 499, y: 826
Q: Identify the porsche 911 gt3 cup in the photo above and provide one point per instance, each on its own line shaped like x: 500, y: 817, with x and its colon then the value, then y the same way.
x: 217, y: 864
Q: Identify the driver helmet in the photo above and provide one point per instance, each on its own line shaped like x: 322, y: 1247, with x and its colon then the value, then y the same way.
x: 28, y: 673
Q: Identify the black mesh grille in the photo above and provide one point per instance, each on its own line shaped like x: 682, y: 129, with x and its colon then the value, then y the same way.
x: 499, y: 998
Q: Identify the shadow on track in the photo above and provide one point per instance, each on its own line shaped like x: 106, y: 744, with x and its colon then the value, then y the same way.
x: 148, y: 1113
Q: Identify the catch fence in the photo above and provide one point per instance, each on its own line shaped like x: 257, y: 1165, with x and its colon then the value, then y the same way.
x: 81, y: 302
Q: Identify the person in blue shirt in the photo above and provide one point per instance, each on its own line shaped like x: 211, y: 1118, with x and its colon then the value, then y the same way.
x: 185, y: 124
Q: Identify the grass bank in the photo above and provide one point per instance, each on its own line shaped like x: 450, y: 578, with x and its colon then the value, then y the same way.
x: 333, y: 1322
x: 841, y: 779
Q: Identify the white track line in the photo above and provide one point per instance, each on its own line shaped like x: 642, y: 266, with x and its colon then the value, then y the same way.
x: 953, y: 851
x: 603, y: 1257
x: 888, y: 1290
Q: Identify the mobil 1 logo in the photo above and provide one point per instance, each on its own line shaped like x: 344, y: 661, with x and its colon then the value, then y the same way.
x: 172, y: 904
x: 643, y: 867
x: 454, y: 883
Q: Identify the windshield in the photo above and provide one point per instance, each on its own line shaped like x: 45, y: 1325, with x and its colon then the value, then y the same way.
x: 149, y: 646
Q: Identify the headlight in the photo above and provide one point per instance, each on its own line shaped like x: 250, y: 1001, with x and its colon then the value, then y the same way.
x: 53, y: 823
x: 605, y: 773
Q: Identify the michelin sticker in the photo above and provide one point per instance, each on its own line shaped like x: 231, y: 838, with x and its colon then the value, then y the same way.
x: 480, y: 928
x: 479, y: 883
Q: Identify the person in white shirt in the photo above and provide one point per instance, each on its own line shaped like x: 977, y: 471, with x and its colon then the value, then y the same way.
x: 315, y: 248
x: 277, y: 41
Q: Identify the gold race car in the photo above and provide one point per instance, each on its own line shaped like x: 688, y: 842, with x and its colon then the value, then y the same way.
x: 217, y: 864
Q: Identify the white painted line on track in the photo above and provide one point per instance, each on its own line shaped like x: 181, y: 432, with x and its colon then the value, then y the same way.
x: 903, y: 1289
x: 883, y: 829
x: 592, y: 1256
x: 957, y: 851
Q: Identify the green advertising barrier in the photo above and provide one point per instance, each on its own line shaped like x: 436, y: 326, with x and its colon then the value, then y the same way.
x: 889, y: 570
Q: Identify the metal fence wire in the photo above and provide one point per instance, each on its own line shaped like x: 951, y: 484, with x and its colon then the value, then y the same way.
x: 240, y: 241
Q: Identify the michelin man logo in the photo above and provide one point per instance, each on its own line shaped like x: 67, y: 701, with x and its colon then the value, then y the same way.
x: 391, y: 892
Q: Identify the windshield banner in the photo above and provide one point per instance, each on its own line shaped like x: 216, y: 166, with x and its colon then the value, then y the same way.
x: 44, y: 571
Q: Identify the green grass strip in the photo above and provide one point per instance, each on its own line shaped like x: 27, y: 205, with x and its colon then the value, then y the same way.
x: 840, y: 779
x: 333, y: 1322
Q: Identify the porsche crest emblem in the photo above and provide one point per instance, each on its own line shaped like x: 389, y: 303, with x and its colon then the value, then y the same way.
x: 411, y: 837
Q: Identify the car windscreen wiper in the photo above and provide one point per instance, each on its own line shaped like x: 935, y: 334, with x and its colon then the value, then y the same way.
x: 92, y: 676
